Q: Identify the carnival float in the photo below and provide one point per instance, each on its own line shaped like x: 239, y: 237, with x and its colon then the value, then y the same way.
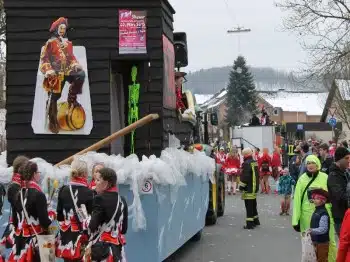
x: 111, y: 92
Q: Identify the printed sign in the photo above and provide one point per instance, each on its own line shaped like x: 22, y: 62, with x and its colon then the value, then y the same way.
x: 147, y: 187
x: 169, y: 95
x: 300, y: 127
x: 132, y: 32
x: 62, y: 102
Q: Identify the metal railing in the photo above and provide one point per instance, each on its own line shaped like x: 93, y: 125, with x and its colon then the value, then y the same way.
x: 245, y: 140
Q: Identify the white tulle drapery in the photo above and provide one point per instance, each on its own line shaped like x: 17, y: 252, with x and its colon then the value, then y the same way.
x: 169, y: 169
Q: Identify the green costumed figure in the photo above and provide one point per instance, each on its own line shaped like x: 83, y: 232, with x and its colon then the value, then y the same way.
x: 134, y: 94
x: 303, y: 208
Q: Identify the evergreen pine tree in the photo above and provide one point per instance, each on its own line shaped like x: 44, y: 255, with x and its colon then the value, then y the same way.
x: 241, y: 94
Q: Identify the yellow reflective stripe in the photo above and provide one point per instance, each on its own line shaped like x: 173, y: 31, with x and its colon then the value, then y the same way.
x: 242, y: 184
x: 255, y: 217
x: 291, y: 150
x: 248, y: 195
x: 250, y: 219
x: 254, y: 178
x: 214, y: 196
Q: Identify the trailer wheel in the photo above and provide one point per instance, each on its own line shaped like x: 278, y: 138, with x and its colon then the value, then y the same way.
x: 221, y: 198
x: 212, y: 215
x: 197, y: 236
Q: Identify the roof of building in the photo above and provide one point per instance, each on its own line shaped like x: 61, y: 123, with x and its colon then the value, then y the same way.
x: 310, y: 103
x: 215, y: 100
x: 201, y: 98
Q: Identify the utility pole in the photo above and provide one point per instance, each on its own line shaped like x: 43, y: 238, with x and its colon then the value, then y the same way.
x: 238, y: 30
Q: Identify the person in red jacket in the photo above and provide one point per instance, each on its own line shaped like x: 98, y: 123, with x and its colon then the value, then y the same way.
x: 344, y: 239
x: 221, y: 156
x: 265, y: 171
x: 232, y: 170
x: 276, y: 165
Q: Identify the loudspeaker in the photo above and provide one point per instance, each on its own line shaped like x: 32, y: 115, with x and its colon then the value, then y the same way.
x: 180, y: 46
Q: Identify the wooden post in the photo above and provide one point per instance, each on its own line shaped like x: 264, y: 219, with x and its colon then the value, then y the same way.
x: 143, y: 121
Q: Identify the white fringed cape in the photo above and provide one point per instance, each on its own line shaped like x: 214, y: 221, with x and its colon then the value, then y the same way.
x: 169, y: 169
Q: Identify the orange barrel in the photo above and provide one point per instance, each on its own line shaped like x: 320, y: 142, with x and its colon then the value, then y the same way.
x: 70, y: 118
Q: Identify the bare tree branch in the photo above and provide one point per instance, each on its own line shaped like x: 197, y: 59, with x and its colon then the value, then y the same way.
x: 323, y: 28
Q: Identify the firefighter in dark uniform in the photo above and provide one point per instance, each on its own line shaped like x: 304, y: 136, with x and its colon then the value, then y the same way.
x: 249, y: 186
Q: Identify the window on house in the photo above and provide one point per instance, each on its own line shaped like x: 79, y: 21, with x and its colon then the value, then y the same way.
x: 275, y: 112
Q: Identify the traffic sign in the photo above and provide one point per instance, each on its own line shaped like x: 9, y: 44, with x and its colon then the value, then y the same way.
x: 147, y: 187
x: 332, y: 122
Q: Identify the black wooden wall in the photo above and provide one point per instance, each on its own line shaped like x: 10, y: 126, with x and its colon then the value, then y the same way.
x: 95, y: 26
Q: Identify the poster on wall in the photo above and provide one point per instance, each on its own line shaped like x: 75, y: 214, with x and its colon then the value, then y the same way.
x: 169, y: 95
x: 62, y: 94
x: 132, y: 32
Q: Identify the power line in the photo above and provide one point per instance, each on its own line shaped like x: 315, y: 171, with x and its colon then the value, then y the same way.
x: 229, y: 11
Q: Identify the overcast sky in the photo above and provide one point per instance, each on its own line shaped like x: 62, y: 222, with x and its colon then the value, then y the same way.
x: 206, y: 23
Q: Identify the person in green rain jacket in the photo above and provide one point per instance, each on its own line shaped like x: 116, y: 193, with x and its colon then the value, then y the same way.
x: 303, y: 208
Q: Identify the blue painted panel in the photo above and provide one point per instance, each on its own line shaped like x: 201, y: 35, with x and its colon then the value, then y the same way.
x: 170, y: 222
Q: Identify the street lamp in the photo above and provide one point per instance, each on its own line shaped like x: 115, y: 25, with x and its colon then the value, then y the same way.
x: 238, y: 30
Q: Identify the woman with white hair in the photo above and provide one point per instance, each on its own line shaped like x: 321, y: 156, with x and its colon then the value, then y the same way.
x: 74, y: 204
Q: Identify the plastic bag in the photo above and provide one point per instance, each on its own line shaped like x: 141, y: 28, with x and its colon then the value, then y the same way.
x: 46, y: 245
x: 307, y: 248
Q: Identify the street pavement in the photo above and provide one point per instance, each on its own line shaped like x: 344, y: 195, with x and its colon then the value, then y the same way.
x: 274, y: 241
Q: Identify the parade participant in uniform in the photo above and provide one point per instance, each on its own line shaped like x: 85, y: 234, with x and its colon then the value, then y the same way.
x: 221, y: 156
x: 319, y: 226
x: 95, y: 170
x: 265, y: 171
x: 59, y: 65
x: 249, y: 185
x: 14, y: 187
x: 73, y: 201
x: 25, y: 248
x: 108, y: 226
x: 276, y: 165
x: 179, y: 79
x: 303, y: 209
x: 232, y: 170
